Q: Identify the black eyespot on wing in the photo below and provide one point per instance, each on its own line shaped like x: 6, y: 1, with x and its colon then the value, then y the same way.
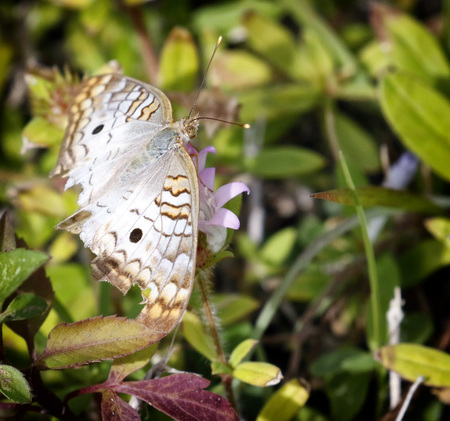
x: 136, y: 235
x: 98, y: 129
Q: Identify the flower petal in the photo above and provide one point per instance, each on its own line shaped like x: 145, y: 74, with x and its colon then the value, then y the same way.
x: 225, y: 193
x: 225, y: 218
x: 201, y: 156
x: 207, y: 175
x: 191, y: 149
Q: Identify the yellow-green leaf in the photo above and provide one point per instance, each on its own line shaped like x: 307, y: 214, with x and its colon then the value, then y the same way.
x: 278, y: 101
x: 274, y: 42
x: 63, y: 247
x: 413, y: 48
x: 419, y: 116
x: 42, y: 199
x: 42, y: 133
x: 285, y: 403
x: 92, y: 340
x: 220, y: 368
x: 258, y: 374
x: 233, y: 307
x: 241, y: 351
x: 284, y: 161
x: 179, y: 62
x: 122, y: 367
x: 357, y: 145
x: 316, y: 64
x: 194, y: 333
x: 412, y: 361
x: 237, y: 69
x: 439, y: 228
x: 279, y: 246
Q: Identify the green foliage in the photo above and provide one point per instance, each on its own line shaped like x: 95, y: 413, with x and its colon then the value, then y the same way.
x: 305, y: 289
x: 412, y: 361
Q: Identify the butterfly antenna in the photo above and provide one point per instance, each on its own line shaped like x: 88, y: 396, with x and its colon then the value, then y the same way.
x: 219, y: 41
x: 245, y: 125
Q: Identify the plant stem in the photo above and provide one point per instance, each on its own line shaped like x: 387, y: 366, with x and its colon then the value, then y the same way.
x: 226, y: 378
x: 377, y: 341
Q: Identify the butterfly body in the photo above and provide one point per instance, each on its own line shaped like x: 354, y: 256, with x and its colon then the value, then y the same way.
x: 140, y: 200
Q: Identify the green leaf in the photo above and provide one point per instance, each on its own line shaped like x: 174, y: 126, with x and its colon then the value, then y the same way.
x: 194, y: 333
x: 42, y: 133
x: 309, y: 284
x: 374, y: 58
x: 24, y: 306
x: 220, y: 368
x: 258, y: 374
x: 343, y: 359
x: 221, y: 18
x: 233, y: 307
x: 240, y: 352
x: 316, y: 64
x: 439, y: 228
x: 122, y: 367
x: 273, y: 42
x: 63, y: 247
x: 16, y: 266
x: 92, y: 340
x: 278, y: 101
x: 356, y: 144
x: 42, y: 199
x: 413, y: 48
x: 418, y: 114
x: 6, y: 55
x: 39, y: 285
x: 412, y: 361
x: 279, y: 246
x: 179, y: 62
x: 421, y: 260
x: 73, y: 4
x: 381, y: 196
x: 347, y: 393
x: 306, y: 16
x: 13, y: 384
x: 72, y: 283
x: 284, y: 161
x: 416, y: 328
x: 310, y: 414
x: 285, y: 402
x: 238, y: 69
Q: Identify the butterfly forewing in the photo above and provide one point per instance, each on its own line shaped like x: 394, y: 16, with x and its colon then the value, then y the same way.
x: 140, y: 201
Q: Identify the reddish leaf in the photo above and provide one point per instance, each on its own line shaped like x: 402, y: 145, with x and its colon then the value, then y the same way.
x: 94, y: 340
x: 181, y: 396
x: 116, y: 409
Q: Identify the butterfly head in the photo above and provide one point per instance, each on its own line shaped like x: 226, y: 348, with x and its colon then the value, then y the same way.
x: 189, y: 128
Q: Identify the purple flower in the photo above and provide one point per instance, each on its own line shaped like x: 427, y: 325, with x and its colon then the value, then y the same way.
x: 213, y: 218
